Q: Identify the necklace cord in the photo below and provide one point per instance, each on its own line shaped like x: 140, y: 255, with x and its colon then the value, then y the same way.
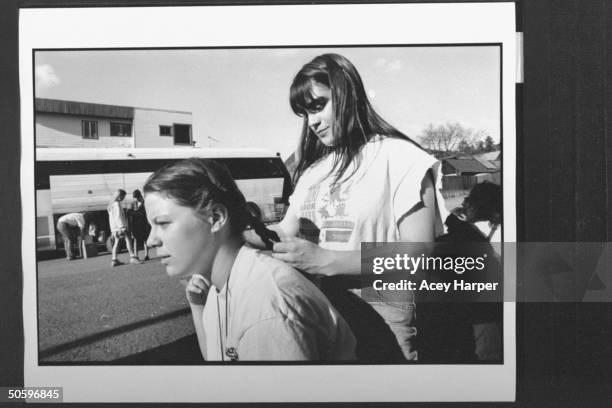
x: 225, y: 328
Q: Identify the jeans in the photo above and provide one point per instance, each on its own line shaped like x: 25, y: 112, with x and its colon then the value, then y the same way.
x: 384, y: 330
x: 400, y: 317
x: 69, y: 233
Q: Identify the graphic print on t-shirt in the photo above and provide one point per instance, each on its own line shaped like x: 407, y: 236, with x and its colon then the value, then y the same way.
x: 329, y: 211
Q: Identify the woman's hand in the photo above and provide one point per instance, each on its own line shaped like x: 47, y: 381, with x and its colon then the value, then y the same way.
x: 305, y: 256
x: 197, y: 290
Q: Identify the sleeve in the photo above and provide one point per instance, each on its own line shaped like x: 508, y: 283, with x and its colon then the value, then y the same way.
x: 278, y: 339
x: 117, y: 215
x: 297, y: 198
x: 407, y: 166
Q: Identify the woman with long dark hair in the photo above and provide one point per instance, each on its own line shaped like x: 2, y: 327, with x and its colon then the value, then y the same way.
x: 245, y: 305
x: 139, y: 227
x: 358, y: 179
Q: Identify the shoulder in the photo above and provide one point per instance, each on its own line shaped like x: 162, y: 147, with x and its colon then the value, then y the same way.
x: 396, y: 148
x: 400, y: 156
x: 274, y: 284
x: 317, y: 169
x: 269, y: 270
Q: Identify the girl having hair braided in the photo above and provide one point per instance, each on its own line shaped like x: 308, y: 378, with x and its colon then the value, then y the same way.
x: 245, y: 304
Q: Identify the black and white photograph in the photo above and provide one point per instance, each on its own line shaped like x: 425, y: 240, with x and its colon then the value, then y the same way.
x: 198, y: 202
x: 107, y: 290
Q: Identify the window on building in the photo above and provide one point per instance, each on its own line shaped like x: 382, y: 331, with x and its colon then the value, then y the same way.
x: 89, y: 129
x: 120, y: 129
x: 182, y: 134
x: 165, y: 130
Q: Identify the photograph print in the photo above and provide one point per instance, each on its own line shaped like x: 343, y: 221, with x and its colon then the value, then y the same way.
x: 208, y: 205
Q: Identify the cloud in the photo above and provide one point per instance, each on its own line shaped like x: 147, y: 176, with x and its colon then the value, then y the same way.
x: 45, y: 76
x: 388, y: 65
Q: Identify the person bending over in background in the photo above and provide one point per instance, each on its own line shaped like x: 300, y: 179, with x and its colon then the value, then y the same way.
x: 73, y: 226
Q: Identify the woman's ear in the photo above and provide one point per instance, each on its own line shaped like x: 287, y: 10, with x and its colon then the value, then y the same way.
x: 219, y: 217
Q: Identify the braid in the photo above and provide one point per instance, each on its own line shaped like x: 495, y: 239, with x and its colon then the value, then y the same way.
x: 268, y: 236
x: 199, y: 183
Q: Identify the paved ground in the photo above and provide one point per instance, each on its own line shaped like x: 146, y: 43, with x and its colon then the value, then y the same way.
x: 90, y: 312
x: 131, y: 314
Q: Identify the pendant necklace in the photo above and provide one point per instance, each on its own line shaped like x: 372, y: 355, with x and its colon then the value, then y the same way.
x: 230, y: 352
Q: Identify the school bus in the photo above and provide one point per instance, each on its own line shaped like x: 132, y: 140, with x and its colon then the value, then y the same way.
x: 84, y: 180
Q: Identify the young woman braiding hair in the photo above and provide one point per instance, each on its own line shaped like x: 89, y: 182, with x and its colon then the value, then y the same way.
x: 358, y: 179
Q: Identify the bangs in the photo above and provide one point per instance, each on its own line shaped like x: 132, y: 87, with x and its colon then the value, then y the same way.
x: 300, y: 96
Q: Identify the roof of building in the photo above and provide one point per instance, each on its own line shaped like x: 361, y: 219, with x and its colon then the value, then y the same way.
x: 93, y: 109
x: 83, y: 109
x: 488, y: 156
x: 146, y: 153
x: 490, y: 159
x: 468, y: 165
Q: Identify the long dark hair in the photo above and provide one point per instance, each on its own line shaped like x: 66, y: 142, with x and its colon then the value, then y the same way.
x: 355, y: 121
x: 486, y: 199
x: 200, y: 183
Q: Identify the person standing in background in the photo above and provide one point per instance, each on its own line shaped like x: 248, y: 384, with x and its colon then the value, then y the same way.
x: 139, y: 227
x: 119, y: 228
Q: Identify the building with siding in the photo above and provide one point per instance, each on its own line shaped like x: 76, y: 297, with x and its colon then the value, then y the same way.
x: 461, y: 173
x: 62, y: 123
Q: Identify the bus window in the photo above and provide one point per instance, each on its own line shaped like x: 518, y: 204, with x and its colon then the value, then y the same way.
x: 64, y: 186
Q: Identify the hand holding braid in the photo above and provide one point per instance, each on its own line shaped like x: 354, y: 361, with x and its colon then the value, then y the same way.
x: 268, y: 236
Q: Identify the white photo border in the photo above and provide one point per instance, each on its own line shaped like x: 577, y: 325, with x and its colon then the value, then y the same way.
x: 261, y: 26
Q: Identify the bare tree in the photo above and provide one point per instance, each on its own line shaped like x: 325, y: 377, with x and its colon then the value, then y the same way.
x: 451, y: 137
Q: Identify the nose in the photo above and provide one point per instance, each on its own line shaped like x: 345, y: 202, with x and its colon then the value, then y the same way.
x: 153, y: 241
x: 314, y: 121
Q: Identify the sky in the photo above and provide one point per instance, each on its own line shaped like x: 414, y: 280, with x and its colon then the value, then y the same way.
x: 240, y: 97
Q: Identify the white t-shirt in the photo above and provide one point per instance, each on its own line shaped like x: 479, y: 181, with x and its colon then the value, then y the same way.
x: 116, y: 217
x: 366, y: 206
x: 73, y: 219
x: 274, y: 313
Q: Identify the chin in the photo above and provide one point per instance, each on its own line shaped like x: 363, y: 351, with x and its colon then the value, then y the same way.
x: 170, y: 271
x: 329, y: 142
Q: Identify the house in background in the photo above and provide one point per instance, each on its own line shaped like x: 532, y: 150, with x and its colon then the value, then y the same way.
x: 62, y: 123
x: 492, y: 160
x: 461, y: 173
